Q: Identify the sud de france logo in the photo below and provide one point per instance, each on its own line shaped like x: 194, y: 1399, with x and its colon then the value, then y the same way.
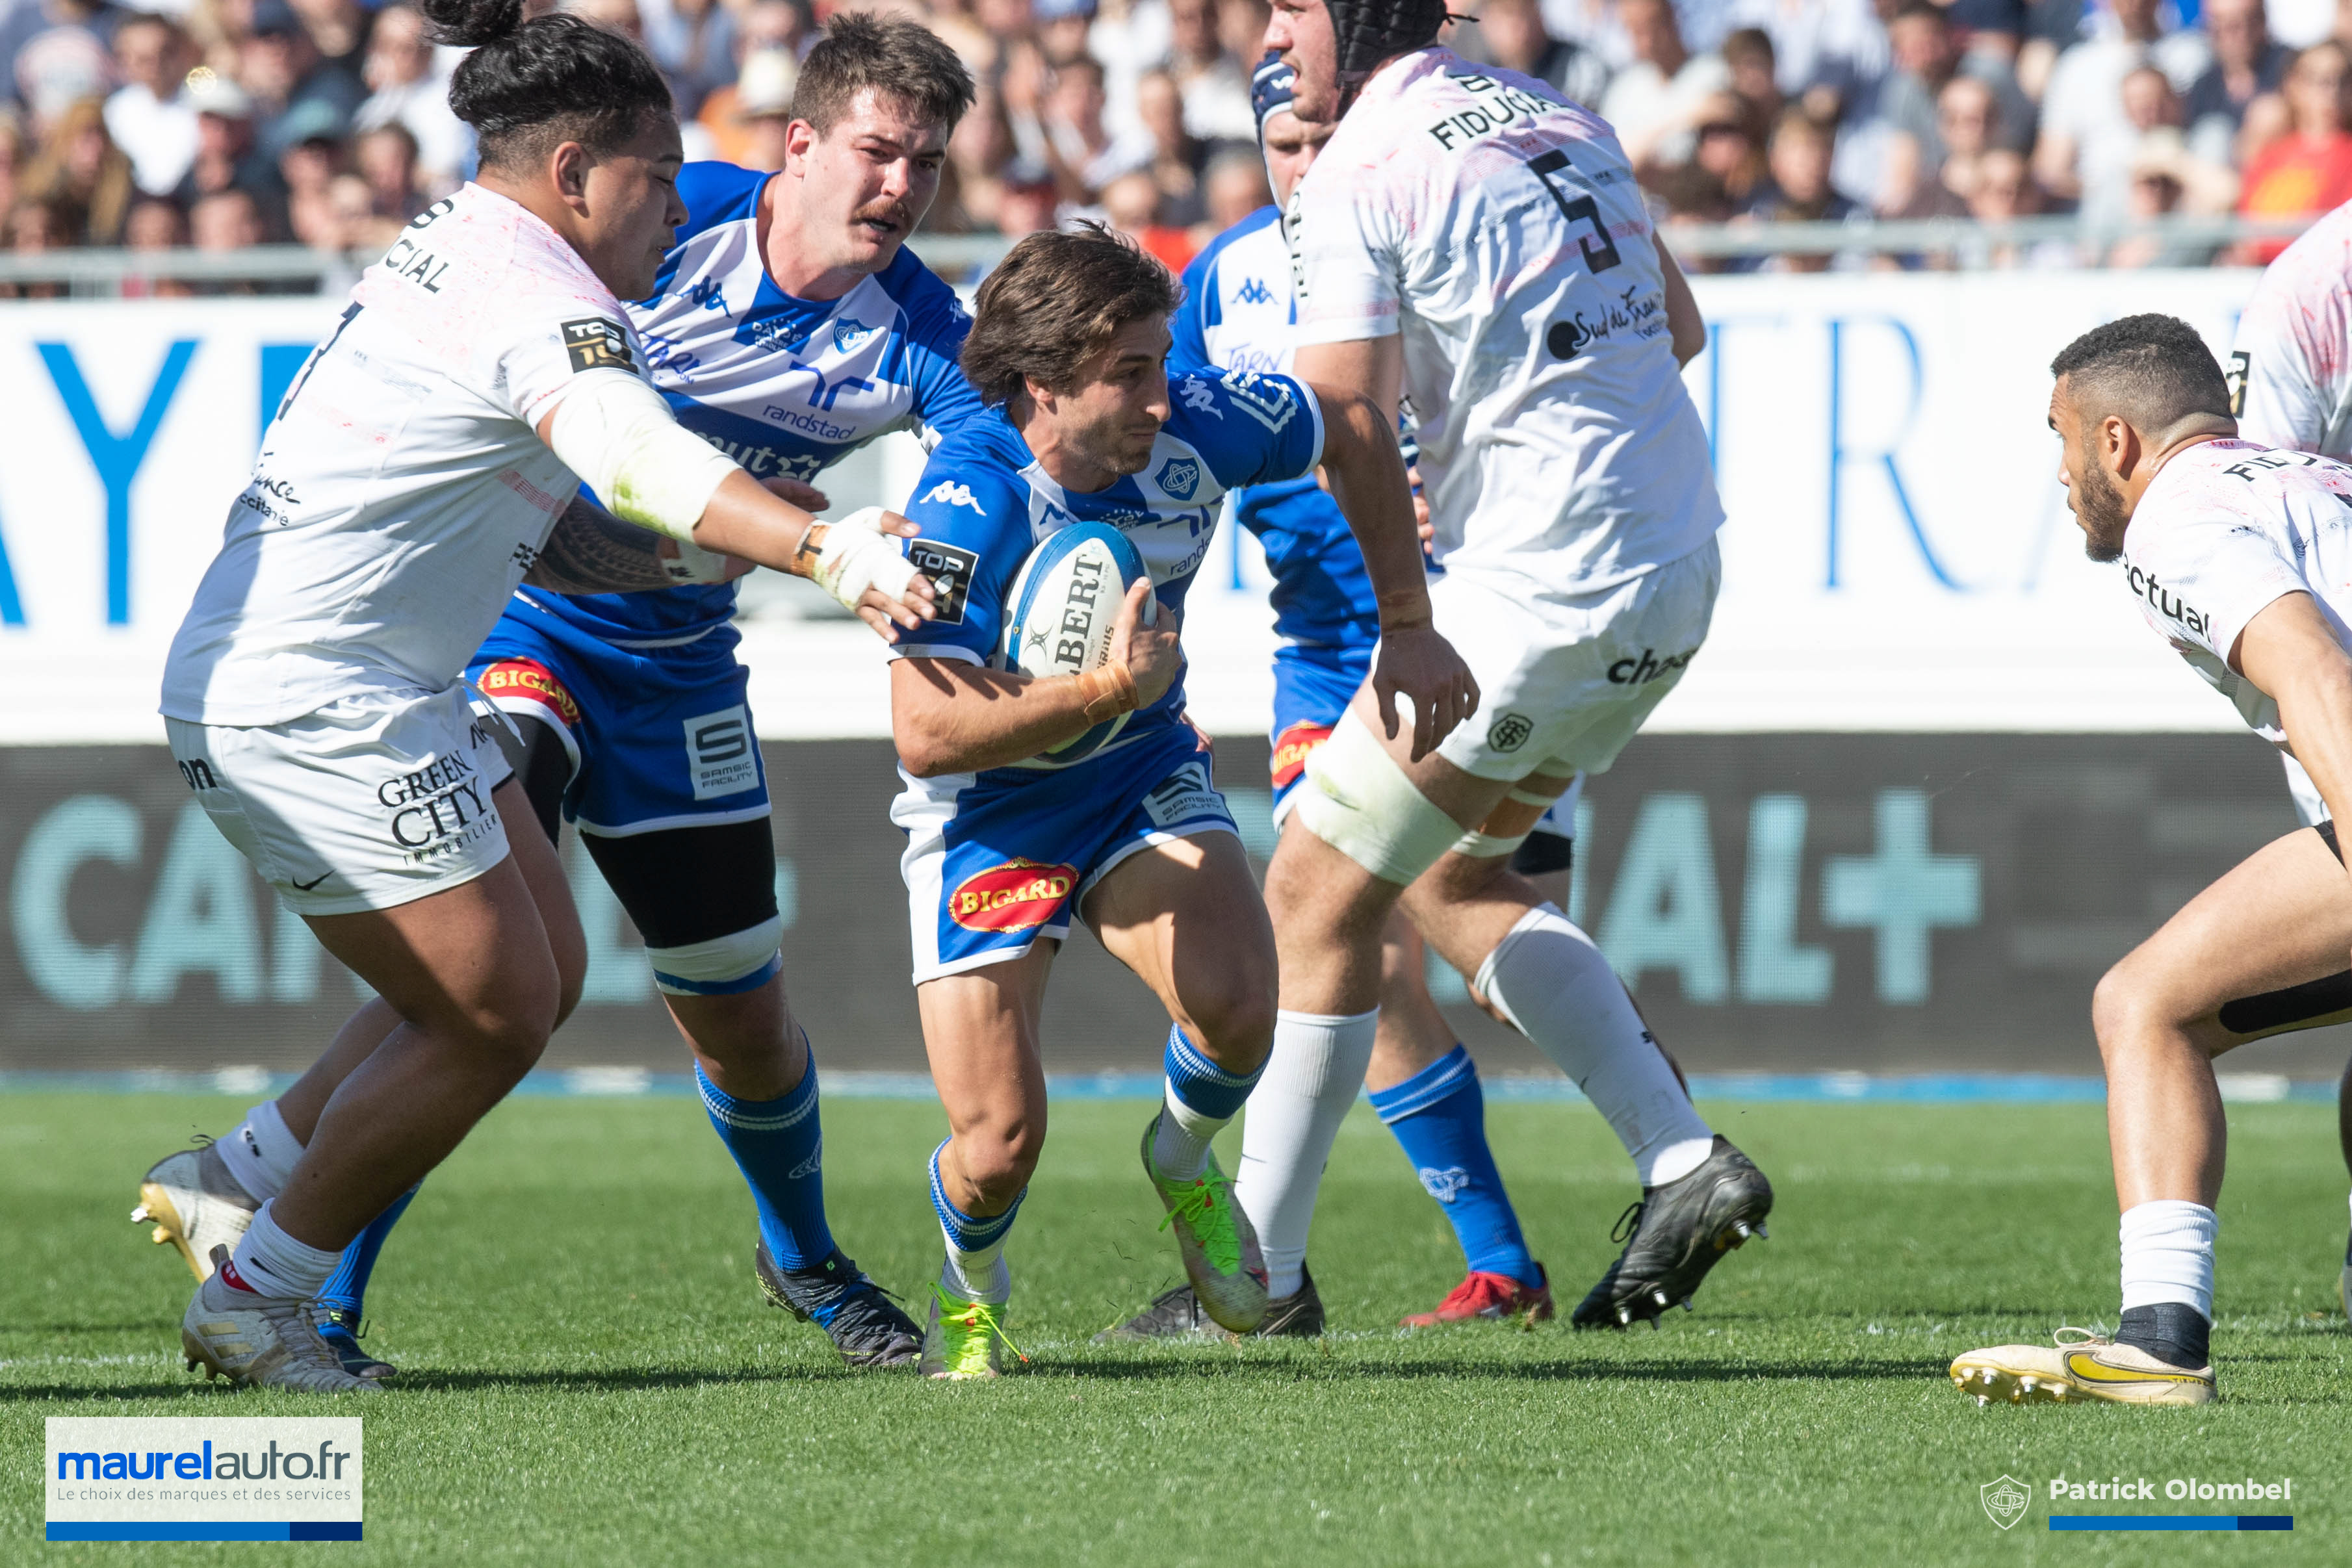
x: 2005, y: 1500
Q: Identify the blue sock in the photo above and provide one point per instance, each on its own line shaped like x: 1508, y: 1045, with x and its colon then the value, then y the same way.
x: 346, y: 1288
x: 975, y: 1244
x: 1440, y: 1117
x: 1203, y: 1086
x: 778, y: 1145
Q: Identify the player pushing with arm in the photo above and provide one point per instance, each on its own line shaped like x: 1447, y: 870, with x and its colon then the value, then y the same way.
x: 1089, y: 427
x: 2239, y: 555
x: 1472, y: 243
x: 411, y: 478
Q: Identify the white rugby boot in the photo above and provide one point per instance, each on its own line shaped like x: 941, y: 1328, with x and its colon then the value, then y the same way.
x: 271, y: 1341
x: 194, y: 1204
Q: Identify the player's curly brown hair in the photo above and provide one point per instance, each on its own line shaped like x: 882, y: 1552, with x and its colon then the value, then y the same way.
x: 1053, y: 303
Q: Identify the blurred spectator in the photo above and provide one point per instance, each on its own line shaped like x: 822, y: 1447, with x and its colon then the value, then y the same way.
x: 1236, y: 187
x: 763, y: 109
x: 693, y: 41
x: 1085, y: 156
x: 339, y: 30
x: 1726, y: 148
x: 777, y: 25
x: 225, y: 221
x: 622, y: 16
x: 58, y: 53
x: 32, y: 227
x: 1176, y: 158
x: 297, y: 93
x: 1130, y: 37
x: 1798, y: 188
x: 2299, y: 24
x: 2246, y: 63
x: 154, y: 223
x: 151, y: 116
x: 308, y: 167
x: 12, y: 158
x: 386, y: 161
x: 1131, y: 203
x: 2006, y: 189
x: 2309, y: 169
x: 407, y: 88
x: 2203, y: 185
x: 1510, y: 34
x: 1748, y: 55
x: 2088, y: 135
x: 1654, y: 101
x: 1593, y: 24
x: 1029, y: 202
x: 1215, y: 84
x: 1832, y: 54
x: 1062, y: 28
x: 81, y: 178
x: 228, y: 154
x: 1928, y: 58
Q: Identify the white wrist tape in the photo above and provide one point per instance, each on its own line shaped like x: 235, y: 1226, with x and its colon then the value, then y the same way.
x: 856, y: 555
x: 616, y: 432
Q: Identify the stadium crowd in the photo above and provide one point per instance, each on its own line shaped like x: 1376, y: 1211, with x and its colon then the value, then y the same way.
x: 226, y: 123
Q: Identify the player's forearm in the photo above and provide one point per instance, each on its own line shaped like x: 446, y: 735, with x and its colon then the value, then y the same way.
x: 1369, y: 481
x: 742, y: 519
x: 592, y: 551
x: 948, y: 716
x: 1685, y: 327
x: 2315, y: 711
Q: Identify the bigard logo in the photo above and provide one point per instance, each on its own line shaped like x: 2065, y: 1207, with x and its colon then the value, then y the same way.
x: 1018, y: 895
x: 2004, y: 1500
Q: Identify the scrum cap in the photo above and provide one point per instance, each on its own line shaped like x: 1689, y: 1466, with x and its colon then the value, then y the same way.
x: 1369, y: 31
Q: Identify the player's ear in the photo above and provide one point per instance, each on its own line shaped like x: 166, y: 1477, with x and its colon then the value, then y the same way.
x: 799, y: 140
x: 568, y: 166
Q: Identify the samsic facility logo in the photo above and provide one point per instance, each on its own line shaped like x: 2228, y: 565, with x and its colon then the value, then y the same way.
x: 202, y: 1479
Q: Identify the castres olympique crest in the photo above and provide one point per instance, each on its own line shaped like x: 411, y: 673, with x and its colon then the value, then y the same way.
x: 2005, y: 1500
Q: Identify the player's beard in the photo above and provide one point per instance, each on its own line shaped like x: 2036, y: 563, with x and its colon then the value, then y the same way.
x: 2099, y: 507
x: 1112, y: 444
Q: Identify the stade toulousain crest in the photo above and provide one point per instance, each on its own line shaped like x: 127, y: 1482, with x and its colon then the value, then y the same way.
x: 2004, y: 1500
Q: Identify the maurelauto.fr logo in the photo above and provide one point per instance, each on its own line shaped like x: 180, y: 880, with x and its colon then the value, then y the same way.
x: 251, y: 1477
x: 2005, y: 1500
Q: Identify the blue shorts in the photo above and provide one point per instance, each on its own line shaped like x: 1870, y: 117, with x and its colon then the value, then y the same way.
x: 658, y: 737
x: 1312, y: 688
x: 1002, y: 862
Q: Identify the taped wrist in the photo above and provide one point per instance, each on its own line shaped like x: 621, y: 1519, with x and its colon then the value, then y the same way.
x: 616, y: 432
x: 849, y: 556
x: 1109, y: 692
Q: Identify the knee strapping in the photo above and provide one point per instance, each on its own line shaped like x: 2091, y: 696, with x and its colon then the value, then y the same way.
x: 1520, y: 805
x: 741, y: 961
x: 1360, y: 801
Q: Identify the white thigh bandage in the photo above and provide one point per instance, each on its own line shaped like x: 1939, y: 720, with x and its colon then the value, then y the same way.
x: 1487, y: 846
x: 1361, y: 803
x: 616, y: 432
x: 741, y: 961
x: 855, y: 555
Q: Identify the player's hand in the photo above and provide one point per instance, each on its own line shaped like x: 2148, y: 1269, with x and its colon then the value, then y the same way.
x: 1421, y: 666
x: 856, y: 561
x: 1144, y: 640
x: 800, y: 493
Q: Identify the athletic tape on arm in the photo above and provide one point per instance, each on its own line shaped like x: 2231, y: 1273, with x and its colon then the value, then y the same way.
x: 1361, y: 803
x: 616, y: 432
x: 853, y: 555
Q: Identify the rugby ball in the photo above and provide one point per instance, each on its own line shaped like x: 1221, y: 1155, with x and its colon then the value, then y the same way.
x: 1063, y: 600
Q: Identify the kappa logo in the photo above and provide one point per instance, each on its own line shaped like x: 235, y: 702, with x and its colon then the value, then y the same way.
x: 1444, y: 1186
x: 2005, y: 1500
x: 947, y: 492
x: 1252, y: 292
x: 1268, y: 402
x: 596, y: 343
x: 1179, y: 477
x: 1510, y: 732
x: 1019, y: 895
x: 1198, y: 397
x: 706, y: 294
x: 850, y: 334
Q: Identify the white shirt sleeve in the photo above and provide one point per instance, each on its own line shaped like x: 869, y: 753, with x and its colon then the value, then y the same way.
x: 1347, y: 261
x: 2276, y: 389
x: 2204, y: 576
x: 553, y: 339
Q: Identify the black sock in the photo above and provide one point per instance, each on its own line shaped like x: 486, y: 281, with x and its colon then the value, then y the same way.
x: 2173, y: 1332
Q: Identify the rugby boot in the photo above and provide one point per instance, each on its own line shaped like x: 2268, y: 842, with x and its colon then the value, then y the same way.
x: 194, y: 1204
x: 1494, y: 1297
x: 341, y: 1330
x: 865, y: 1325
x: 1178, y: 1314
x: 2082, y: 1366
x: 272, y: 1341
x: 1214, y: 1237
x: 1674, y: 1235
x: 965, y: 1340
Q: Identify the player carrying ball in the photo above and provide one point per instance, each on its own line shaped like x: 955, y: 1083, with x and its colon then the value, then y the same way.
x: 1068, y: 346
x: 2239, y: 555
x: 411, y: 478
x: 1470, y: 242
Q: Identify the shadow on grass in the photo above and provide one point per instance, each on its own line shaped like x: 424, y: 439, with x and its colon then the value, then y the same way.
x: 420, y: 1382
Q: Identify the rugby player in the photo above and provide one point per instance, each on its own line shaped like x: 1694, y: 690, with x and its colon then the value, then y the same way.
x: 788, y: 326
x: 2238, y: 557
x: 1470, y: 242
x: 411, y: 478
x: 2290, y: 376
x: 1068, y: 346
x: 1237, y: 315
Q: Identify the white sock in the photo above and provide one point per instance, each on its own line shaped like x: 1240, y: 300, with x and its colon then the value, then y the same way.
x: 270, y: 1262
x: 1314, y: 1075
x: 1180, y: 1147
x: 261, y: 1152
x: 1554, y: 986
x: 980, y: 1275
x: 2167, y: 1249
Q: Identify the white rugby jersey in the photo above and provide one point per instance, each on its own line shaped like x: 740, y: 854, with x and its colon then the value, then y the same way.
x: 1497, y: 228
x: 402, y: 490
x: 2225, y: 528
x: 2291, y: 367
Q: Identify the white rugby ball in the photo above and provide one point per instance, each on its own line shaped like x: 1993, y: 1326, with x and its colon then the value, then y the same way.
x: 1063, y: 601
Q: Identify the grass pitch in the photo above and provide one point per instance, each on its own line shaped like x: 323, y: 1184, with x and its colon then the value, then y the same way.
x: 591, y: 1377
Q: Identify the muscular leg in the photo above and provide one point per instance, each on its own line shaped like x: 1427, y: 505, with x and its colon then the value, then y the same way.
x: 979, y: 1029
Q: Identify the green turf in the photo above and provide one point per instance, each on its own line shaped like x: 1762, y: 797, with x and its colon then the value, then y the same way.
x: 591, y: 1378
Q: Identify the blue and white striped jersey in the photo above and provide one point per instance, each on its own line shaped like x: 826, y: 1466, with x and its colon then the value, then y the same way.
x: 785, y: 386
x: 1239, y: 315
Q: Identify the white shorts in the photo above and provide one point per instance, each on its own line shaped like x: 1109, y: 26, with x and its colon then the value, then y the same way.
x: 373, y: 801
x: 1563, y: 683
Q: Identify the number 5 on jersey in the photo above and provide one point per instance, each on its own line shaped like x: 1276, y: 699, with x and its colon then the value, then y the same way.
x: 1579, y: 210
